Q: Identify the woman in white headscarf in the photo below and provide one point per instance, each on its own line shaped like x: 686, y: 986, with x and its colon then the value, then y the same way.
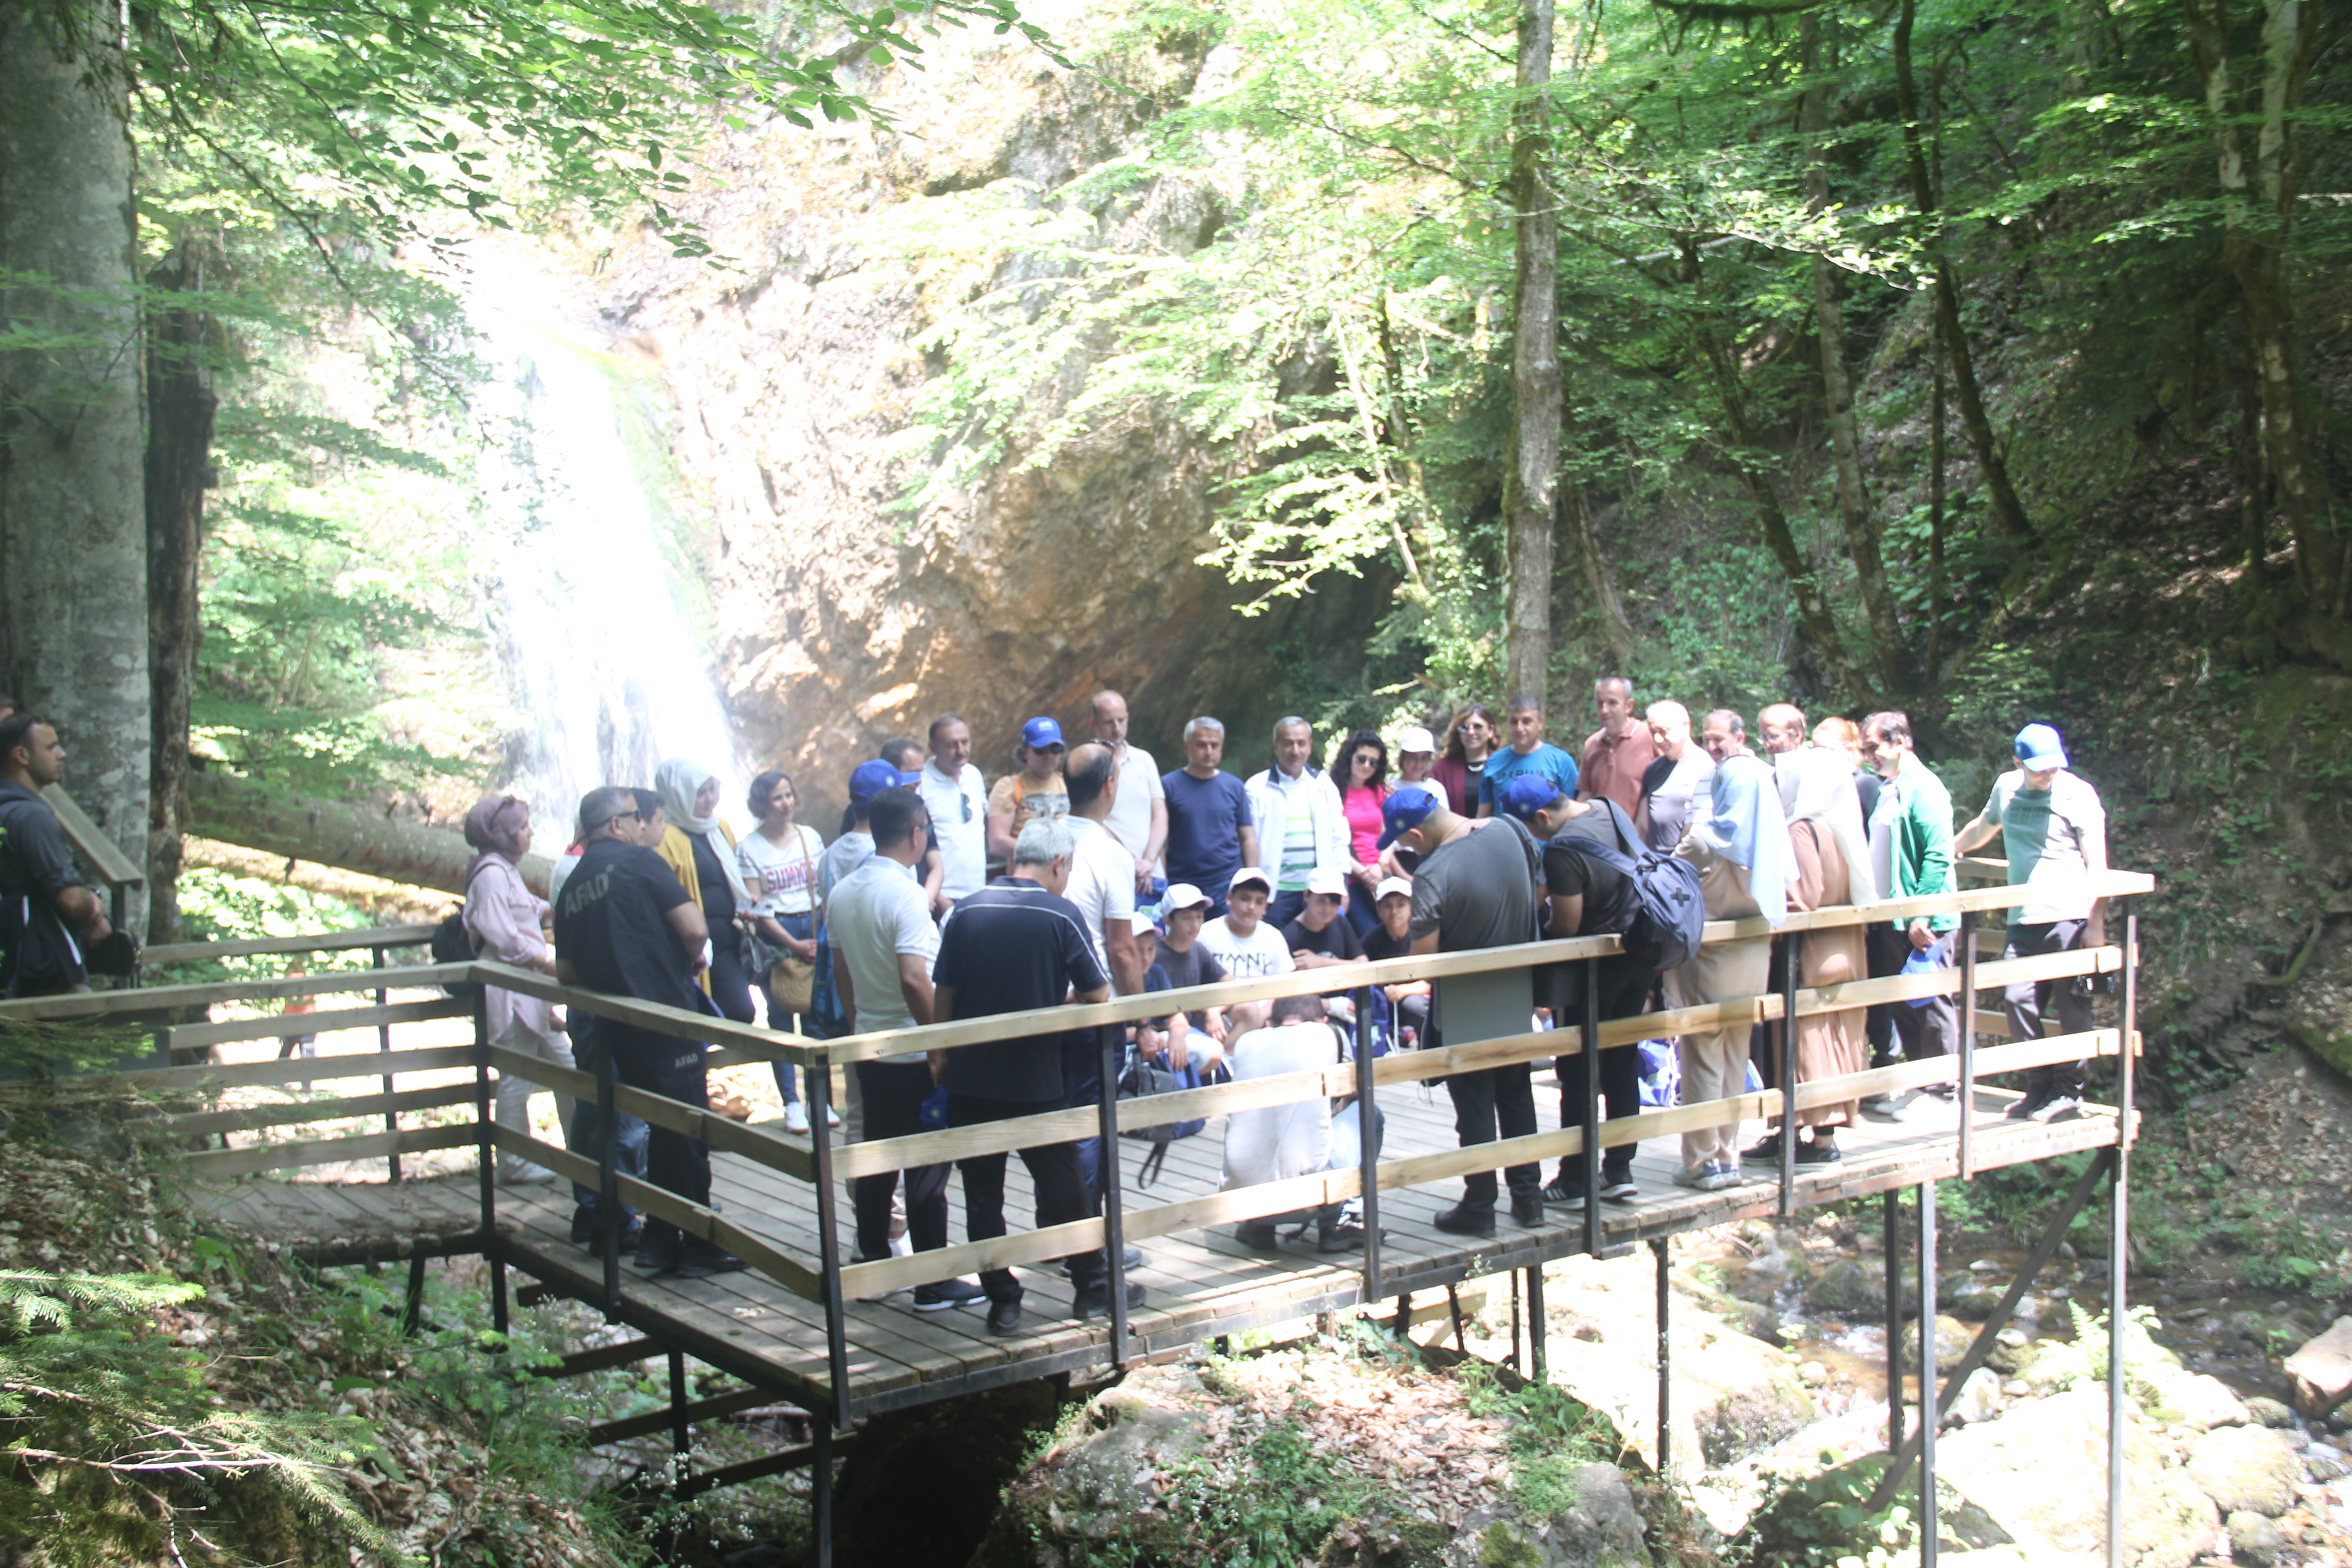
x: 1833, y: 860
x: 1745, y: 866
x: 701, y: 847
x: 507, y: 922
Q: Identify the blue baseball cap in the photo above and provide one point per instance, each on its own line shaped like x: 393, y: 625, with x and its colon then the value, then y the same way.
x: 872, y: 778
x: 1041, y: 731
x: 1408, y: 807
x: 2039, y: 749
x: 1525, y: 794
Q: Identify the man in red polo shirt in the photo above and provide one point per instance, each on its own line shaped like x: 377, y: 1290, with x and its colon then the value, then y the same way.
x: 1616, y: 753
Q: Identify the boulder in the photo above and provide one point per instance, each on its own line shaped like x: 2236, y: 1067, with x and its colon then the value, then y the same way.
x: 1744, y: 1394
x: 2251, y: 1468
x: 965, y: 1449
x: 2201, y: 1400
x: 2253, y: 1538
x: 1953, y: 1339
x: 2265, y: 1412
x: 1602, y: 1529
x: 2040, y: 1470
x: 1851, y: 1288
x: 2322, y: 1370
x: 1979, y: 1399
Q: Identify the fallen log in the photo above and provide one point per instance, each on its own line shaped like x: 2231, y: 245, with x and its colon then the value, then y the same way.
x: 237, y: 811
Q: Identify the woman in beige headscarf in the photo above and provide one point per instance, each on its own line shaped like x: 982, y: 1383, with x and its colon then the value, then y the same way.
x: 1833, y: 869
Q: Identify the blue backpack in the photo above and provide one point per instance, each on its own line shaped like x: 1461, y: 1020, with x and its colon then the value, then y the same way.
x: 1669, y: 908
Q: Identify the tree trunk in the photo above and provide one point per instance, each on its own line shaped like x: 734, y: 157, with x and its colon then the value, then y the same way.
x: 73, y: 532
x: 1936, y: 584
x: 1527, y: 492
x: 1588, y: 570
x: 1862, y: 541
x: 236, y: 812
x: 2009, y: 518
x: 2259, y: 210
x: 180, y: 407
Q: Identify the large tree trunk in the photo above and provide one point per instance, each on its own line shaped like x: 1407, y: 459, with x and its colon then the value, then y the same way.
x: 1588, y: 570
x: 1837, y: 386
x: 2009, y: 518
x: 180, y: 407
x: 1527, y: 492
x: 73, y: 531
x: 236, y: 812
x: 2259, y: 210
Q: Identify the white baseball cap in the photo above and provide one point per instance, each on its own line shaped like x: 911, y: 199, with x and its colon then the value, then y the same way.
x: 1396, y: 885
x: 1144, y: 922
x: 1182, y: 896
x: 1327, y: 880
x: 1416, y: 739
x: 1249, y: 874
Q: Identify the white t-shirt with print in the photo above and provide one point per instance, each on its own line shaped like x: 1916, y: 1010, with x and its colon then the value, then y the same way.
x: 1261, y: 954
x: 785, y: 870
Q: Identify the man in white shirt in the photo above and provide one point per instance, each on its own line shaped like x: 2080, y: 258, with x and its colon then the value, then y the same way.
x: 1101, y: 871
x: 957, y: 798
x: 879, y: 921
x: 1301, y: 823
x: 1140, y: 818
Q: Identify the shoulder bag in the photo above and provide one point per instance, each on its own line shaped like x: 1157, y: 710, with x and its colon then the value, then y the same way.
x: 792, y: 980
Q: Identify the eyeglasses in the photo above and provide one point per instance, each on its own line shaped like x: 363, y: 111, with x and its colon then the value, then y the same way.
x: 624, y: 816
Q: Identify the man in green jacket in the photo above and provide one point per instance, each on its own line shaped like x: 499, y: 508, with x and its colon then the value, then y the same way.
x: 1911, y: 851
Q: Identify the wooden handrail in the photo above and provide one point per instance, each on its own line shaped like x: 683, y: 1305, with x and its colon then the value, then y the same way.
x: 320, y: 941
x: 115, y: 869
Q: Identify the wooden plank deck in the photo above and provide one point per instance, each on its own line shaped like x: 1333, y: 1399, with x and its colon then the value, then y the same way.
x: 1200, y: 1283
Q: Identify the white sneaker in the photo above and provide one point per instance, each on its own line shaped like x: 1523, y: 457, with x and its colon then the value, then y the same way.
x: 2067, y: 1108
x: 832, y: 1117
x: 796, y: 1118
x: 901, y: 1246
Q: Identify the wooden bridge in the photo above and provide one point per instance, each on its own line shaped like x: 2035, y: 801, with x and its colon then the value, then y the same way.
x: 840, y: 1341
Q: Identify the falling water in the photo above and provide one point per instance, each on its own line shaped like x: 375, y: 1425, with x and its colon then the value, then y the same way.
x: 609, y: 672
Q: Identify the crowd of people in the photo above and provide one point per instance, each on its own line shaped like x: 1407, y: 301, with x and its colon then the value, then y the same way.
x: 1121, y: 880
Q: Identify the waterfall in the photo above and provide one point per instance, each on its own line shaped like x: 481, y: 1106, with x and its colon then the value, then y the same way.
x: 609, y: 670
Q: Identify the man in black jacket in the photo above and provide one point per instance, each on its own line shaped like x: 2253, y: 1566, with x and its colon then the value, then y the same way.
x: 52, y: 930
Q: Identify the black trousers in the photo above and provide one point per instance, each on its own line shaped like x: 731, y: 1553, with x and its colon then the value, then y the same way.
x: 730, y: 984
x: 2027, y: 1000
x: 1625, y: 983
x: 1061, y: 1191
x: 894, y: 1093
x: 1897, y: 1030
x: 674, y: 1161
x: 1485, y: 1101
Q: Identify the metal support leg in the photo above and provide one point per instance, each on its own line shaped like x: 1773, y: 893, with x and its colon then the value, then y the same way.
x: 1368, y: 1146
x: 1792, y: 954
x: 1114, y: 1232
x: 1536, y: 1368
x: 2118, y: 1236
x: 485, y: 1127
x: 1967, y: 1094
x: 821, y: 1483
x: 1461, y: 1336
x: 1665, y: 1358
x: 1401, y: 1324
x: 498, y: 1262
x: 681, y: 1442
x: 1929, y: 1409
x: 1891, y: 1234
x: 608, y: 1186
x: 1515, y: 1318
x: 819, y: 1095
x: 1589, y: 1157
x: 412, y: 1308
x: 383, y: 1048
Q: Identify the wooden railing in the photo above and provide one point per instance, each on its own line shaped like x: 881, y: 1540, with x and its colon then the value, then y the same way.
x: 817, y: 1275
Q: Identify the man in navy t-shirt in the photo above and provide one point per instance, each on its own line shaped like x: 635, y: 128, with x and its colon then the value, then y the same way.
x: 626, y: 925
x: 1210, y: 835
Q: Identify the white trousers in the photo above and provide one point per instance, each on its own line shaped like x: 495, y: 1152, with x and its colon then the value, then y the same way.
x: 511, y: 1099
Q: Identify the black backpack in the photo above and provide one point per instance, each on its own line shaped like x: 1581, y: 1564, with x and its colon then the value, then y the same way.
x: 452, y: 944
x: 1670, y: 909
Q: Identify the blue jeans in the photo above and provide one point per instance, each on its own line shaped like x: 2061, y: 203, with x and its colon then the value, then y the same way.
x: 801, y: 928
x: 630, y: 1133
x: 1361, y: 913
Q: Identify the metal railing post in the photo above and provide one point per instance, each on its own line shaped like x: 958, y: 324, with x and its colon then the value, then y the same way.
x: 1665, y: 1356
x: 818, y: 1092
x: 1891, y: 1246
x: 1930, y: 1402
x: 1536, y: 1367
x: 1589, y: 1157
x: 821, y: 1477
x: 608, y: 1185
x: 1968, y: 1008
x: 1367, y: 1154
x: 1108, y: 1039
x: 383, y: 1048
x: 1793, y: 958
x: 484, y: 1126
x: 2118, y: 1222
x: 681, y: 1437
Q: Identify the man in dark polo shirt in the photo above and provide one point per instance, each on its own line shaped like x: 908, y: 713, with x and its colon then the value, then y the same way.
x: 52, y: 930
x: 1015, y: 946
x: 626, y: 924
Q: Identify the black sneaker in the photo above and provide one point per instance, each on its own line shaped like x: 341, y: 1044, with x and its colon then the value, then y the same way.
x: 1465, y: 1219
x: 1820, y: 1152
x: 699, y: 1259
x: 1564, y: 1191
x: 946, y: 1293
x: 1527, y: 1209
x: 657, y: 1256
x: 1617, y: 1186
x: 1005, y: 1317
x: 1131, y: 1259
x: 1095, y: 1302
x: 583, y: 1230
x: 1766, y: 1152
x: 1343, y: 1235
x: 1257, y: 1235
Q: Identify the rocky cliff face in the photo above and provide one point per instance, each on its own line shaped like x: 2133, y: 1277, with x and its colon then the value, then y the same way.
x: 840, y: 623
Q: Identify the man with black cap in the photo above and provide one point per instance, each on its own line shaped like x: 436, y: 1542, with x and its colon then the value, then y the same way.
x: 2054, y: 829
x: 1475, y: 887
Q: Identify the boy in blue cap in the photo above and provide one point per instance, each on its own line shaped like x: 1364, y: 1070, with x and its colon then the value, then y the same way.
x: 2055, y: 832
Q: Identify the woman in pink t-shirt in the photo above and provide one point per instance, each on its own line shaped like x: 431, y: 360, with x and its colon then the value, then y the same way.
x: 1361, y: 771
